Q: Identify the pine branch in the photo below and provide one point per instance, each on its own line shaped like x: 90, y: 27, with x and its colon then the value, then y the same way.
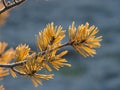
x: 61, y: 46
x: 13, y: 65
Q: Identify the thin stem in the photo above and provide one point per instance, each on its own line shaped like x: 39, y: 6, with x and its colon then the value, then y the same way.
x: 63, y: 45
x: 11, y: 6
x: 18, y: 72
x: 13, y: 64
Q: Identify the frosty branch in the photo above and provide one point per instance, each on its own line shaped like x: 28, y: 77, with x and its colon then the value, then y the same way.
x: 9, y: 5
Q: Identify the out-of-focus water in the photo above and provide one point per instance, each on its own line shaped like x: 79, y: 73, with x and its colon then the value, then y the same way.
x: 99, y: 73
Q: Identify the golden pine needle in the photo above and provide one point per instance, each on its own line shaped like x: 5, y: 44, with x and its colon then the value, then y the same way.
x: 51, y: 36
x: 22, y: 51
x: 83, y: 39
x: 13, y: 73
x: 55, y: 60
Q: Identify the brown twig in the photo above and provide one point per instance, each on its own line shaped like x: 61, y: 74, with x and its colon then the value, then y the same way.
x: 63, y: 45
x: 12, y: 65
x: 9, y: 6
x: 18, y: 72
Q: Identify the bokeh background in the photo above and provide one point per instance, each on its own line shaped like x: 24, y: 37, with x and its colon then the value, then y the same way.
x: 99, y: 73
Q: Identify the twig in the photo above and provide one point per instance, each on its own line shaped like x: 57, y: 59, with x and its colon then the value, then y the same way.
x: 6, y: 6
x: 18, y: 72
x: 12, y: 65
x: 63, y: 45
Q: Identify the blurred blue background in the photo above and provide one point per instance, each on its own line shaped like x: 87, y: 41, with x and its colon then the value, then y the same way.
x: 99, y: 73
